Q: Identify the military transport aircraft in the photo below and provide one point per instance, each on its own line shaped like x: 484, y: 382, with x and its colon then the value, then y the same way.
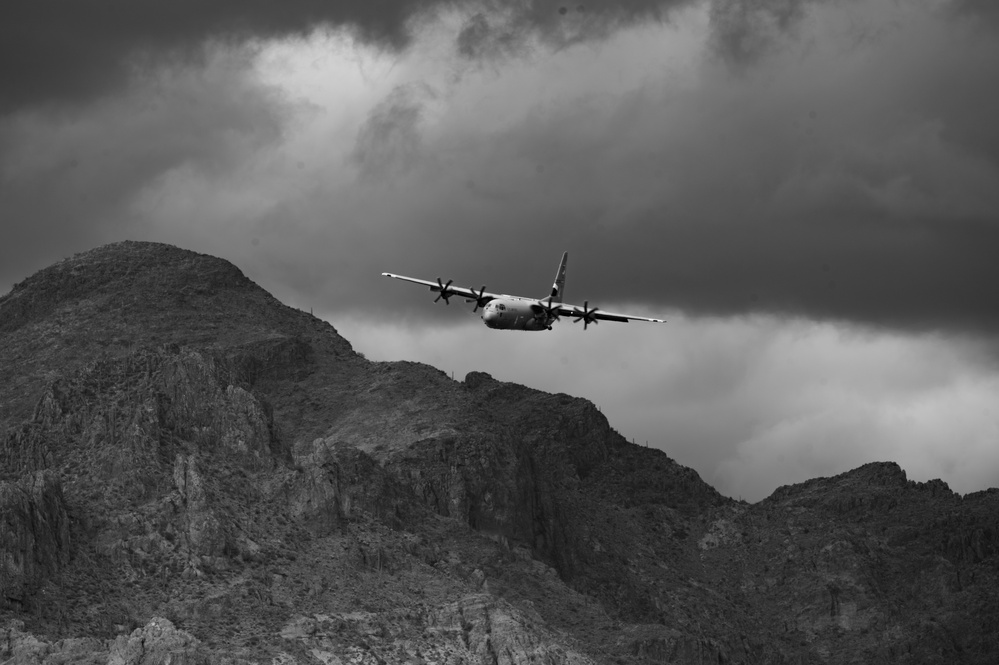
x: 505, y: 312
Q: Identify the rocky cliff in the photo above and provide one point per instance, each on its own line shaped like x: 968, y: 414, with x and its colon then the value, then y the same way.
x: 193, y: 472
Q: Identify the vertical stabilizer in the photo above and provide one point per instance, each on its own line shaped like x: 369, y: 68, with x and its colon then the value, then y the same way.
x: 558, y: 288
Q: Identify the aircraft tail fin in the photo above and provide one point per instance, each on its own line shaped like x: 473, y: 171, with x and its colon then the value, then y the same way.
x: 558, y: 288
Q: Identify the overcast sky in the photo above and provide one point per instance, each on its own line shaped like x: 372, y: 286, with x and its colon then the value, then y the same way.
x: 808, y: 191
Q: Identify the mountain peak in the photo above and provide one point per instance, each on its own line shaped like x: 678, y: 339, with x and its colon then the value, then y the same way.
x: 142, y: 269
x: 129, y: 295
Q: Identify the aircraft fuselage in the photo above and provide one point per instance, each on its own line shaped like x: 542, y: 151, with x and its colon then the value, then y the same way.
x: 513, y: 313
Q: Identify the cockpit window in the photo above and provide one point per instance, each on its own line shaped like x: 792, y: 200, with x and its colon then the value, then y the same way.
x: 502, y: 306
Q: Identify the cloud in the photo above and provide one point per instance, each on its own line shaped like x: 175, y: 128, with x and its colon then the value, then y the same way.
x: 388, y: 143
x: 846, y: 175
x: 70, y: 181
x: 976, y: 10
x: 64, y: 51
x: 745, y: 30
x: 841, y: 179
x: 60, y: 51
x: 497, y: 30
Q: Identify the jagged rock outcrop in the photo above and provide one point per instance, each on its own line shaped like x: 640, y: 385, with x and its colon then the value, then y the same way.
x: 476, y: 628
x: 125, y: 415
x: 492, y: 632
x: 129, y: 296
x: 336, y: 483
x: 856, y: 567
x: 515, y: 463
x: 201, y: 531
x: 140, y: 429
x: 18, y: 647
x: 157, y: 643
x: 34, y: 536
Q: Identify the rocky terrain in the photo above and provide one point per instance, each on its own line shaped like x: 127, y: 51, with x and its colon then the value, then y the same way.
x: 192, y: 472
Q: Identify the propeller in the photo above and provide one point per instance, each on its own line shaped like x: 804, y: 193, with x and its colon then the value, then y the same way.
x: 444, y: 292
x: 478, y: 298
x: 586, y: 316
x: 550, y: 311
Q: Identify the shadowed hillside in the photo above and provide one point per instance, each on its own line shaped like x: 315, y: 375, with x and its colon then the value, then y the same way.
x: 193, y: 471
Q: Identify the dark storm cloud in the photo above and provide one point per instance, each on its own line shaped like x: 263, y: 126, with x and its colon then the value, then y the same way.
x: 916, y: 274
x: 825, y: 185
x: 986, y: 10
x: 744, y: 30
x: 63, y: 50
x: 388, y: 143
x: 71, y: 182
x: 504, y: 28
x: 851, y: 183
x: 480, y: 36
x: 66, y: 51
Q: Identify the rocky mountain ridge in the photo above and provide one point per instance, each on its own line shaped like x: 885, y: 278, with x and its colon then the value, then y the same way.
x: 194, y: 472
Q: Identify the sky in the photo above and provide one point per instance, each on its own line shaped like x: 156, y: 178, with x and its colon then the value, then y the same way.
x: 807, y: 190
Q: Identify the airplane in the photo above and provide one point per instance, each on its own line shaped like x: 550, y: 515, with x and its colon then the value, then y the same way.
x: 503, y: 312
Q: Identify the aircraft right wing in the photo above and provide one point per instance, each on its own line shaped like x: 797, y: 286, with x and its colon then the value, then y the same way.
x: 588, y: 315
x: 480, y: 297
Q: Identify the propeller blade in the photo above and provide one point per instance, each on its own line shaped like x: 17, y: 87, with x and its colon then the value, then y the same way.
x: 586, y: 316
x: 478, y: 298
x: 444, y: 293
x: 548, y: 309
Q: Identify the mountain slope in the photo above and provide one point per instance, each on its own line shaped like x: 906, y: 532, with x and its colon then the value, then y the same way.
x: 190, y: 467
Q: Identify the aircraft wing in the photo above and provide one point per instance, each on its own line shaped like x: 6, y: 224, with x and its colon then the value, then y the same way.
x: 588, y: 315
x: 446, y: 290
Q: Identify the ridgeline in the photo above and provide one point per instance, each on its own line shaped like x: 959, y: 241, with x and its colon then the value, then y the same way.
x: 192, y: 472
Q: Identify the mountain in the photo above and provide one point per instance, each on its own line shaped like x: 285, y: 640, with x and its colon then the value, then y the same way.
x: 192, y: 472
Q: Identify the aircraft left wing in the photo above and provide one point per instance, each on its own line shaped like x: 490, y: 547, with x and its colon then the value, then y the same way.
x: 445, y: 290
